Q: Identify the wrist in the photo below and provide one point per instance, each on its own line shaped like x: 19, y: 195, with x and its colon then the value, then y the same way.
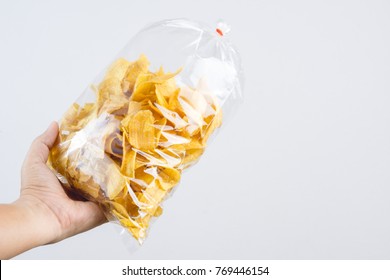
x: 39, y: 221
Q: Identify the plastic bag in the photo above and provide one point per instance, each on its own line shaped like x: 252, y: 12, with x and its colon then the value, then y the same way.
x: 125, y: 142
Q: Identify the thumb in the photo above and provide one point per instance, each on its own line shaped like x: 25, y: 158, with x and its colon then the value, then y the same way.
x: 40, y: 148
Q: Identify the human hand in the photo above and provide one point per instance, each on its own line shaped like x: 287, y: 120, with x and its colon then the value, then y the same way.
x: 43, y: 210
x: 66, y: 217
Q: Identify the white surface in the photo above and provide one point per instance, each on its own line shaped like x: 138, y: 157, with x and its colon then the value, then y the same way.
x: 301, y: 172
x: 196, y: 269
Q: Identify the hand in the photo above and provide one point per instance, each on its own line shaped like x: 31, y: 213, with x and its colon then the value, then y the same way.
x: 43, y: 210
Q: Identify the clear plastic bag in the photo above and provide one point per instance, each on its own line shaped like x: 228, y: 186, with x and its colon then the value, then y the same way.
x: 125, y: 142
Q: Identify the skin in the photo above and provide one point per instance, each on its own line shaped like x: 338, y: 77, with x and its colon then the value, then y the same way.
x: 44, y: 213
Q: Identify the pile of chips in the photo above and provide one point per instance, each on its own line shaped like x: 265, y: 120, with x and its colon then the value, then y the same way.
x: 127, y: 150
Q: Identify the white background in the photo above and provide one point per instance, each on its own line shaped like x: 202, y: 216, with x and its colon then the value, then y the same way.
x: 302, y: 171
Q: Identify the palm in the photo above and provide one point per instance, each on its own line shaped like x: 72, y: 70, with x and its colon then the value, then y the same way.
x: 39, y: 183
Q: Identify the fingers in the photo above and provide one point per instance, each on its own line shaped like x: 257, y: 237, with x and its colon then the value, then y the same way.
x: 40, y: 148
x: 50, y: 135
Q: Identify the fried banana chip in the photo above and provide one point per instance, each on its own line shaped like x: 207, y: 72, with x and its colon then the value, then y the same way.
x: 133, y: 71
x: 140, y: 128
x: 128, y: 161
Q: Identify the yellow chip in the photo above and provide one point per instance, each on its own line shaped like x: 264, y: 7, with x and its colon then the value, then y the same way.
x: 191, y: 157
x: 168, y: 178
x: 113, y: 145
x: 159, y: 126
x: 145, y: 84
x: 117, y: 70
x: 133, y: 108
x: 133, y: 71
x: 114, y: 182
x: 128, y: 161
x: 75, y: 118
x: 110, y: 96
x: 215, y: 123
x: 141, y: 130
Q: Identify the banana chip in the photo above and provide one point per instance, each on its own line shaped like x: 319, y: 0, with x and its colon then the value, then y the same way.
x: 127, y: 150
x: 140, y: 130
x: 128, y: 161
